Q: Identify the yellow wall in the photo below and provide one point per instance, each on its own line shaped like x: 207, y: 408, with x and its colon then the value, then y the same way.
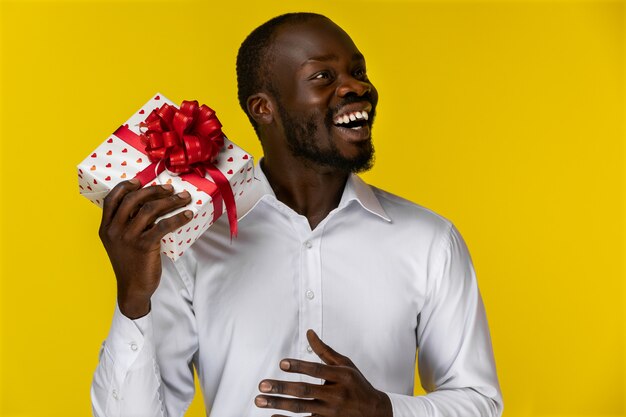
x: 506, y: 117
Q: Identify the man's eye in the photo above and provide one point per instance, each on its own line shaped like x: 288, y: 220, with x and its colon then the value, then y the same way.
x: 360, y: 72
x: 322, y: 75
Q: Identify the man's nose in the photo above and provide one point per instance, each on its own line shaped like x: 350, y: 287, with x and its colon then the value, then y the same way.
x: 350, y: 85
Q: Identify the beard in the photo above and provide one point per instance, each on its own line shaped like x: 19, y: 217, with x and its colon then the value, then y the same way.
x: 302, y: 133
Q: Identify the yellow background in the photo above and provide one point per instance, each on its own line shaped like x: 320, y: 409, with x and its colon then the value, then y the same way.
x: 505, y: 117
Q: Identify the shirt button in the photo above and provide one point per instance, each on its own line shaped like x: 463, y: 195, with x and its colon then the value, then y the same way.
x: 308, y: 244
x: 114, y: 394
x: 310, y: 294
x: 133, y: 346
x: 309, y: 349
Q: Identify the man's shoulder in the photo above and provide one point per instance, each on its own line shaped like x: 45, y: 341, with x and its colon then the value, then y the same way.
x: 405, y: 212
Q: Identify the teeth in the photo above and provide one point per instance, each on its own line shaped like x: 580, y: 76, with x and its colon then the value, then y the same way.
x: 347, y: 118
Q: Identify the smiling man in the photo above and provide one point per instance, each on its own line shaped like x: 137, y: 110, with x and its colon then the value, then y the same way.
x: 321, y: 304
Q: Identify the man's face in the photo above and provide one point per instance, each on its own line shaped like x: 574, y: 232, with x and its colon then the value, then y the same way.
x: 325, y: 101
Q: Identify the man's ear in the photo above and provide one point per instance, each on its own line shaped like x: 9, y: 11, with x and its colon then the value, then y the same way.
x: 261, y: 108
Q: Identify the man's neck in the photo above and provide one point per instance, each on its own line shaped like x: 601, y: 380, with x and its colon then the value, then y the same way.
x: 309, y: 190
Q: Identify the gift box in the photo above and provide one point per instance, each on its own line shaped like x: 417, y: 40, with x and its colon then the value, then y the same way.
x: 125, y: 155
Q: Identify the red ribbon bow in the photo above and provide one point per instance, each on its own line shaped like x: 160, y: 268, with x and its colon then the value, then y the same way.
x: 185, y: 141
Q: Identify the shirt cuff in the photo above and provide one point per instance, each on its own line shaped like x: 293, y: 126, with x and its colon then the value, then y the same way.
x: 129, y: 340
x: 408, y: 405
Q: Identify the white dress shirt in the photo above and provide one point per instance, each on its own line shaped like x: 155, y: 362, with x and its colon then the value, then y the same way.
x: 377, y: 279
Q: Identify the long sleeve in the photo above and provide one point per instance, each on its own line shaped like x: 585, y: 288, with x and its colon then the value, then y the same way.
x: 140, y: 371
x: 455, y: 356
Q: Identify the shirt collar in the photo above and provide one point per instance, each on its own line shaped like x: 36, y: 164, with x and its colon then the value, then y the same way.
x: 355, y: 190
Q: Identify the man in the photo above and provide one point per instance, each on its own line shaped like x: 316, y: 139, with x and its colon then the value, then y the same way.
x: 320, y: 303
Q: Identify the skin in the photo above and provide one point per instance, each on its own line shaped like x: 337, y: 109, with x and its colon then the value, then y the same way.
x: 309, y: 90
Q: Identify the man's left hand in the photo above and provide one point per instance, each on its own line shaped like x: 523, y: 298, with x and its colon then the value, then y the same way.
x: 345, y: 392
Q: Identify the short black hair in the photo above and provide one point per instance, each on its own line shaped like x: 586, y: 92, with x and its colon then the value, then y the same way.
x: 254, y: 58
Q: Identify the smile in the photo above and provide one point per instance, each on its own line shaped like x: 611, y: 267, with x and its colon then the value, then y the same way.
x: 353, y: 118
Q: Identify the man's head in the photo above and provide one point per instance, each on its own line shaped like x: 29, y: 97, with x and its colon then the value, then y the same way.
x: 302, y: 83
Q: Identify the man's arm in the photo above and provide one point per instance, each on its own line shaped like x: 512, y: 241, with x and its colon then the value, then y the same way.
x: 456, y: 363
x: 141, y: 372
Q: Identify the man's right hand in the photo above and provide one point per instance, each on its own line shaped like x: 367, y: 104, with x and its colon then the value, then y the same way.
x: 132, y: 239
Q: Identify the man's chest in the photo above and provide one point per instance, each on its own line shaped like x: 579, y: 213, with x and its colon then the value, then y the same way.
x: 273, y: 286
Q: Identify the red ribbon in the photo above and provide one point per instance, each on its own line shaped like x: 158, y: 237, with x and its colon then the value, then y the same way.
x: 185, y: 141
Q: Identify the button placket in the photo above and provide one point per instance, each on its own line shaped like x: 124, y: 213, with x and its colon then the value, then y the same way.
x: 311, y: 303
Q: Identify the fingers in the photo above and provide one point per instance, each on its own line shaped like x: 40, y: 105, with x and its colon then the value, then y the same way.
x: 325, y: 352
x: 314, y: 369
x: 295, y: 389
x: 168, y: 225
x: 132, y: 202
x: 114, y: 198
x: 295, y: 405
x: 153, y: 209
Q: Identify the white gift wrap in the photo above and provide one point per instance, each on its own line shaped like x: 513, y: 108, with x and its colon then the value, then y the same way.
x: 115, y: 161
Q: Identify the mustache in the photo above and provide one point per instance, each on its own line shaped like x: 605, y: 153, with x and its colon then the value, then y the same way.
x: 351, y: 99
